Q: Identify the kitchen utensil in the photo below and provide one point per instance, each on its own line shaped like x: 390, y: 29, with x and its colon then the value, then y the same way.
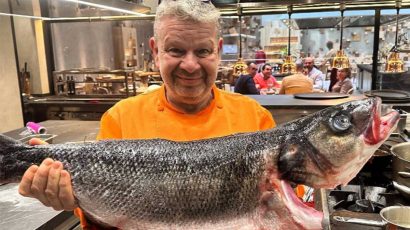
x: 401, y: 167
x: 393, y: 217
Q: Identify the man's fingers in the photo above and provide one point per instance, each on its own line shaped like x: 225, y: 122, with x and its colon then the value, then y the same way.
x: 66, y: 191
x: 27, y: 180
x: 36, y: 141
x: 52, y: 189
x: 40, y: 181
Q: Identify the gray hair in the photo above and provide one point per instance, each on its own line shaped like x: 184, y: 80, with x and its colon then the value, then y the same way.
x: 299, y: 65
x: 187, y: 10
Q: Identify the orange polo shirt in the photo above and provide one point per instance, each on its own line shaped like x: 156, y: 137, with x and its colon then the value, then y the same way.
x: 149, y: 115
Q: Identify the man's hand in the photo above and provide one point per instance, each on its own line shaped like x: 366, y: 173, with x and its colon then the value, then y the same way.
x: 49, y: 183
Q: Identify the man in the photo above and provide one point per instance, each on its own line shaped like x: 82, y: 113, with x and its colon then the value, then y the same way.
x: 296, y: 83
x: 245, y: 83
x: 186, y: 48
x: 265, y: 80
x: 260, y: 56
x: 313, y: 73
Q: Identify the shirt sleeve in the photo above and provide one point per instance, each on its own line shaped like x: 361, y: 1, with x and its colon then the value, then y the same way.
x: 256, y: 81
x: 266, y: 120
x: 251, y: 86
x: 109, y: 126
x: 346, y: 87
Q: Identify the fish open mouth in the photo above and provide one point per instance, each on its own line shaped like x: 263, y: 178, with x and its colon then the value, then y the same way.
x: 304, y: 215
x: 381, y: 126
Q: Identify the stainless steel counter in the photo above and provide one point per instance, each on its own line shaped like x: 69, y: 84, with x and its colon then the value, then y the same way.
x: 289, y: 101
x: 22, y: 213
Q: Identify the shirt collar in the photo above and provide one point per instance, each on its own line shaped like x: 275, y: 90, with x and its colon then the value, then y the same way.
x: 163, y: 103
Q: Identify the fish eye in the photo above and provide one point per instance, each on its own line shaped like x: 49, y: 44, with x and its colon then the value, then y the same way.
x: 340, y: 122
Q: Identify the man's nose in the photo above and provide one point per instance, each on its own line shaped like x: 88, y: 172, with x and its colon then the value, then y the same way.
x: 190, y: 63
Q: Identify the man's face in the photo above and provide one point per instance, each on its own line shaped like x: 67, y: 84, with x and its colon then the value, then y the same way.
x: 267, y: 72
x: 308, y: 63
x: 187, y: 55
x: 252, y: 69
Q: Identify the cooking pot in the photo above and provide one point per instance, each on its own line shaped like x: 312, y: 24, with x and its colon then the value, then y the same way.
x: 401, y: 168
x: 393, y: 217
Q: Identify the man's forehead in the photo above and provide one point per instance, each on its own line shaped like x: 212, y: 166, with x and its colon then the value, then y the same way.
x: 176, y: 39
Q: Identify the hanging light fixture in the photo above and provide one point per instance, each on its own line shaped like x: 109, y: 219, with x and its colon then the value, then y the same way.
x: 394, y: 63
x: 240, y: 66
x: 289, y: 66
x: 341, y: 60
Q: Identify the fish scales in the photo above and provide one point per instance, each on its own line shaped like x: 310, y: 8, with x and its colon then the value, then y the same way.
x: 231, y: 182
x: 178, y: 182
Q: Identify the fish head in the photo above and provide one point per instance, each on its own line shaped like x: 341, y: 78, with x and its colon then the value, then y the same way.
x: 330, y: 147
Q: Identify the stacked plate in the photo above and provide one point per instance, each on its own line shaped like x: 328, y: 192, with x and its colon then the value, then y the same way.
x: 321, y: 96
x: 390, y: 95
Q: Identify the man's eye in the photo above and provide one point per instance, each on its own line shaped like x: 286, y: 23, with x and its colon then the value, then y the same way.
x: 203, y: 52
x: 175, y: 52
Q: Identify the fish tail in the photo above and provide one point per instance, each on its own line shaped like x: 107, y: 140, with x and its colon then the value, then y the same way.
x: 11, y: 166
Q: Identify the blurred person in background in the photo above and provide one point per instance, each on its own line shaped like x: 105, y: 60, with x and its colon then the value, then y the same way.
x: 245, y: 83
x: 260, y: 56
x: 264, y: 80
x: 296, y: 83
x: 344, y: 83
x: 313, y: 73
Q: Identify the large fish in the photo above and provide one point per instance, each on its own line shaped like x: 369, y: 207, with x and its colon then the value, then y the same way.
x: 234, y: 182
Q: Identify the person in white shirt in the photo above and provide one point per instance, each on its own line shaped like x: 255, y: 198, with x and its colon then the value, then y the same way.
x: 313, y: 73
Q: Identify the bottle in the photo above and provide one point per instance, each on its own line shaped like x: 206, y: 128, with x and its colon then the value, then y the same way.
x: 68, y: 85
x: 72, y: 85
x: 27, y: 87
x: 60, y: 86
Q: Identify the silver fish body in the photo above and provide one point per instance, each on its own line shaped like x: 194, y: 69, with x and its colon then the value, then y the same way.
x: 232, y: 182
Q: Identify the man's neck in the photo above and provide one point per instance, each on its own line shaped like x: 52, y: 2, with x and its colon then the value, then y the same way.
x: 191, y: 108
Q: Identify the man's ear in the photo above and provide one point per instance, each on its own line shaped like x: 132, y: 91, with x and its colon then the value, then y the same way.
x: 220, y: 43
x: 154, y: 48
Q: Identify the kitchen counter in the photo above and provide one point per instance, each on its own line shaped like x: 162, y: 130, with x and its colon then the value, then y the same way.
x: 22, y: 213
x: 283, y: 107
x: 289, y: 101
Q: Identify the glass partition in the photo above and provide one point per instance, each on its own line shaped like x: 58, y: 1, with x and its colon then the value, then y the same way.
x: 395, y: 81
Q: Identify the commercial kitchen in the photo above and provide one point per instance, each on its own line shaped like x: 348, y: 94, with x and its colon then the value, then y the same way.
x: 63, y: 63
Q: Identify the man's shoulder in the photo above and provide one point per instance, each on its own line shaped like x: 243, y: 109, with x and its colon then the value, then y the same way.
x: 245, y: 77
x: 258, y: 76
x: 316, y: 72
